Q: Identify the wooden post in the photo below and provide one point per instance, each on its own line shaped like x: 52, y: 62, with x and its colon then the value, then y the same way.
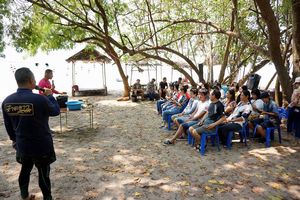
x: 73, y: 73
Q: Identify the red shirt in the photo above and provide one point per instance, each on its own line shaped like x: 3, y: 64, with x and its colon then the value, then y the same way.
x: 45, y: 83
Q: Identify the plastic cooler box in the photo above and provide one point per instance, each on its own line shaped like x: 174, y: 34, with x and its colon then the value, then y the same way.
x: 74, y: 105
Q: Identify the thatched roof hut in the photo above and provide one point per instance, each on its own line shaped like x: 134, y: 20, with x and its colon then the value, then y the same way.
x: 89, y: 55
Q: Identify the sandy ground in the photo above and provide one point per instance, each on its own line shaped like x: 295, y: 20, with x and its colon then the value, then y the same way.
x: 123, y: 158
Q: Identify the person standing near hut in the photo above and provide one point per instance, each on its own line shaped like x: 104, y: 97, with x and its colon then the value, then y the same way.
x: 163, y: 86
x: 45, y: 82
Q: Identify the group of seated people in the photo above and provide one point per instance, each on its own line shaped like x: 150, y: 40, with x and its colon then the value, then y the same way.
x: 150, y: 92
x: 205, y: 110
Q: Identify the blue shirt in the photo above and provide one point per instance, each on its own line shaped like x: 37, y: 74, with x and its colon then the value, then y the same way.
x: 191, y: 107
x: 273, y: 108
x: 26, y: 117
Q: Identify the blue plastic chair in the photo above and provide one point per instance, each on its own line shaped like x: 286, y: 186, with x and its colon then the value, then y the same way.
x: 270, y: 134
x: 169, y: 117
x: 283, y: 113
x: 295, y: 125
x: 204, y: 137
x: 191, y: 140
x: 243, y: 135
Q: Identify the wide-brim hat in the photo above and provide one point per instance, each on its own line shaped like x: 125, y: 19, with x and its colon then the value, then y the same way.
x: 297, y: 80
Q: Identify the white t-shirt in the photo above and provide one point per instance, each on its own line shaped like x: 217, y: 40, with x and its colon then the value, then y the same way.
x: 239, y: 110
x: 259, y: 105
x: 202, y: 106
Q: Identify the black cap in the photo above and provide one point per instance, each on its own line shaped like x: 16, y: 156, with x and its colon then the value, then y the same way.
x: 264, y: 95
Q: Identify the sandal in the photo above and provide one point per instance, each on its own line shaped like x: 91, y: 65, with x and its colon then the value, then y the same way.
x: 199, y: 147
x: 168, y: 142
x: 182, y: 138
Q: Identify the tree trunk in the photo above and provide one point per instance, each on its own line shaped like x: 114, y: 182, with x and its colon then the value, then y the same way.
x: 200, y: 73
x: 227, y: 50
x: 211, y: 62
x: 126, y: 92
x: 278, y: 95
x: 114, y: 56
x: 274, y: 46
x: 296, y: 37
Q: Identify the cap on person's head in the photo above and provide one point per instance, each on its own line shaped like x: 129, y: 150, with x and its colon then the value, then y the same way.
x: 264, y: 95
x: 297, y: 80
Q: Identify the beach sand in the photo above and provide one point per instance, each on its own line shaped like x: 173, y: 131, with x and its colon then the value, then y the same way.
x: 123, y: 158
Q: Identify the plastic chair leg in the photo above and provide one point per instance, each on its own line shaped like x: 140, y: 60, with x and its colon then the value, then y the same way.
x: 212, y: 138
x: 218, y: 141
x: 272, y: 134
x: 203, y: 143
x: 190, y: 138
x: 297, y: 132
x: 169, y: 121
x: 268, y: 137
x: 254, y: 131
x: 279, y: 133
x: 229, y: 139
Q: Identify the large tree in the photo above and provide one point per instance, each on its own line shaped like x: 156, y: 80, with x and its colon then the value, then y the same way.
x: 274, y: 43
x: 296, y: 37
x: 157, y: 30
x: 60, y: 24
x: 4, y: 11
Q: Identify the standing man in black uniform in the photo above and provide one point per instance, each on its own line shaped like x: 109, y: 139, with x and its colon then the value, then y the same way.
x: 163, y: 86
x: 26, y: 118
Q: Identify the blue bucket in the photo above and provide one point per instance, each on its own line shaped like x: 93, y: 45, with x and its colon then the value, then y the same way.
x: 74, y: 105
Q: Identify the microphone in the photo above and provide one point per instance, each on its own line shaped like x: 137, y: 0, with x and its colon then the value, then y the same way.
x: 39, y: 88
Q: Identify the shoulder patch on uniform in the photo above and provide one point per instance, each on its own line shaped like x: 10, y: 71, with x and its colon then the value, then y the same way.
x: 19, y: 109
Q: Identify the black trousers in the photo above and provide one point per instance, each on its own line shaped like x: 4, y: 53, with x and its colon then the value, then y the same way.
x: 224, y: 129
x: 43, y: 166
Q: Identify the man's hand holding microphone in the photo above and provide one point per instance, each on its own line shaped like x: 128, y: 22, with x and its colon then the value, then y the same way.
x: 47, y: 92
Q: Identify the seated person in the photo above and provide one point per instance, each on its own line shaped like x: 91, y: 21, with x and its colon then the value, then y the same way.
x: 294, y: 109
x: 211, y: 120
x: 218, y: 86
x: 163, y: 87
x: 45, y: 83
x: 176, y: 105
x: 235, y: 121
x: 271, y: 116
x: 151, y: 91
x: 241, y: 89
x: 137, y: 89
x: 229, y: 102
x: 257, y: 104
x: 169, y: 103
x: 167, y: 97
x: 196, y: 116
x: 189, y: 109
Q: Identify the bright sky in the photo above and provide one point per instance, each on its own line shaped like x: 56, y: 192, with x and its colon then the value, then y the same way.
x: 87, y: 75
